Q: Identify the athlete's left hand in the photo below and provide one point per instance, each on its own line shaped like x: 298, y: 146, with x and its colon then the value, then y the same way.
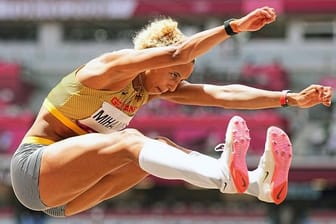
x: 311, y: 96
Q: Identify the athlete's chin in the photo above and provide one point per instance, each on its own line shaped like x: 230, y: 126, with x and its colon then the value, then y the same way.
x: 156, y: 91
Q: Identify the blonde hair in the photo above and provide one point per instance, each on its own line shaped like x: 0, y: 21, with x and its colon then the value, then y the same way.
x: 159, y: 33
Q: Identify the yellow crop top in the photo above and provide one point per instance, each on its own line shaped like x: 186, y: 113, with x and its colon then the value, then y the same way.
x: 89, y: 110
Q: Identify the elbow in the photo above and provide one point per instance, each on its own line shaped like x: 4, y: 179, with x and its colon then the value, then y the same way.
x: 182, y: 54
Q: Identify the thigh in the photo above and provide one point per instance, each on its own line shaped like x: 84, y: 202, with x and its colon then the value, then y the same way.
x: 72, y: 166
x: 109, y: 186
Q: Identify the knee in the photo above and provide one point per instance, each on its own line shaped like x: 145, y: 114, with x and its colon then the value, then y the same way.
x: 131, y: 134
x: 132, y: 140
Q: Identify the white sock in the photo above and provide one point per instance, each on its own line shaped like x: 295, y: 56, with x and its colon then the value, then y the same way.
x: 165, y: 161
x: 253, y: 188
x: 260, y: 183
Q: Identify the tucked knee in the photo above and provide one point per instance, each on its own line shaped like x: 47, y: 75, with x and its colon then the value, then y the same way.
x: 131, y: 132
x: 132, y: 135
x: 132, y: 140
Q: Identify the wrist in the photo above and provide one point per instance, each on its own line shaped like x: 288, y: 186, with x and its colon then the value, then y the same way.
x: 291, y: 98
x: 284, y: 101
x: 288, y: 98
x: 230, y: 27
x: 235, y: 25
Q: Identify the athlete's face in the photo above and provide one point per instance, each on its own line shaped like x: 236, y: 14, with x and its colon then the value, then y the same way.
x: 158, y: 81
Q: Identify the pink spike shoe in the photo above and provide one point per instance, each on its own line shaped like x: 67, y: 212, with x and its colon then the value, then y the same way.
x: 275, y: 164
x: 233, y: 157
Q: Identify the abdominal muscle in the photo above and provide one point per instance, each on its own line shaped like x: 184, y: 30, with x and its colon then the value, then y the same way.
x: 49, y: 127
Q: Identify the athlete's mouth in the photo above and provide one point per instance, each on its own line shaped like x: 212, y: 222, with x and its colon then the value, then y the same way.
x: 159, y: 89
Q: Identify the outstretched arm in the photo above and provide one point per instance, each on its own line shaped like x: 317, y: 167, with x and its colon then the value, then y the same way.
x: 243, y: 97
x: 124, y: 65
x: 200, y: 43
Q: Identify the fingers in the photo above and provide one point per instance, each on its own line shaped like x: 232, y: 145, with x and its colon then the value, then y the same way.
x: 257, y: 19
x: 267, y: 13
x: 324, y: 94
x: 327, y: 96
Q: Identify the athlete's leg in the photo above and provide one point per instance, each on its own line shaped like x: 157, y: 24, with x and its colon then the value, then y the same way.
x: 73, y: 166
x: 269, y: 182
x: 109, y: 186
x: 115, y: 183
x: 171, y: 143
x: 129, y: 175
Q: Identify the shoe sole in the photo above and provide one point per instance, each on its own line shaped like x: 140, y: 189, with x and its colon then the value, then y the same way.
x: 281, y: 148
x: 238, y: 135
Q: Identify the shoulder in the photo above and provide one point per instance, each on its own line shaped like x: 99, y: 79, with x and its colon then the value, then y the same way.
x: 106, y: 71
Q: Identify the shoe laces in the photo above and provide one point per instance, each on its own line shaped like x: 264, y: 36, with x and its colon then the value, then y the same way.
x: 220, y: 147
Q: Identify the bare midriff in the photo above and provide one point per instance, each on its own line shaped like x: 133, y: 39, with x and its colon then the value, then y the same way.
x: 49, y: 127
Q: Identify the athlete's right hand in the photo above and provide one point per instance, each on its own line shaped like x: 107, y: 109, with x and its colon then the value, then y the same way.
x: 255, y: 20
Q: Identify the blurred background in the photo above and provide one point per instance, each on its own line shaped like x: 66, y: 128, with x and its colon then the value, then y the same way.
x: 43, y: 40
